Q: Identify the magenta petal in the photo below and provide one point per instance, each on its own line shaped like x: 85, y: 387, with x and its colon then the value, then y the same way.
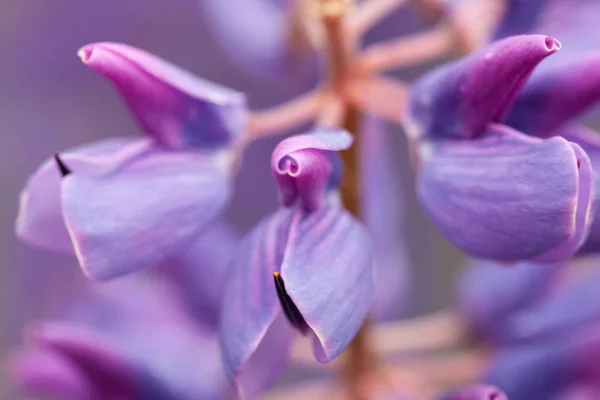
x: 174, y: 107
x: 562, y: 89
x: 46, y: 372
x: 459, y: 99
x: 40, y: 220
x: 305, y: 168
x: 506, y: 196
x: 143, y: 213
x: 382, y: 210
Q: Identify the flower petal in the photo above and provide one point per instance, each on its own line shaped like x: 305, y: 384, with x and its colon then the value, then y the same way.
x: 590, y: 143
x: 40, y: 220
x: 328, y: 270
x: 560, y: 90
x: 250, y: 305
x: 506, y: 196
x: 172, y: 106
x: 305, y: 167
x: 382, y: 210
x: 259, y: 37
x: 310, y: 250
x: 459, y: 99
x: 47, y: 373
x: 490, y: 293
x: 475, y: 392
x: 143, y: 213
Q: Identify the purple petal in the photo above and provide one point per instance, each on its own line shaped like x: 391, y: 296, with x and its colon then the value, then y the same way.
x: 475, y: 392
x: 560, y: 90
x: 490, y: 293
x: 47, y: 373
x: 172, y: 106
x: 250, y: 305
x: 459, y: 99
x: 506, y: 196
x: 590, y: 143
x: 40, y: 220
x: 382, y: 210
x: 520, y: 17
x: 328, y: 270
x: 304, y: 167
x: 258, y: 37
x: 311, y: 250
x: 143, y: 213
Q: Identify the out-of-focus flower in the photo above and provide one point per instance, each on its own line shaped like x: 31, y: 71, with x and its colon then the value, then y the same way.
x: 548, y: 344
x: 310, y: 262
x: 475, y: 392
x: 148, y: 336
x: 494, y: 191
x: 265, y: 37
x: 125, y: 204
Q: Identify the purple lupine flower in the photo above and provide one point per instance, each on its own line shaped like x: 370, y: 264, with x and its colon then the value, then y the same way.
x: 310, y: 262
x: 124, y: 204
x: 494, y: 191
x: 147, y: 336
x: 263, y: 37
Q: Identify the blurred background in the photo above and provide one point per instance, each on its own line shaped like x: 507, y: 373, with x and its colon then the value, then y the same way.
x: 49, y: 102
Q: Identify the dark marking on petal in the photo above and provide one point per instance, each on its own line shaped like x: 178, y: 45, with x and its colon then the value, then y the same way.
x: 64, y: 170
x: 578, y: 164
x: 289, y: 308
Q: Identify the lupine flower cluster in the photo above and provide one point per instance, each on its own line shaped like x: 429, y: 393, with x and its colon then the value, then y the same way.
x: 181, y: 306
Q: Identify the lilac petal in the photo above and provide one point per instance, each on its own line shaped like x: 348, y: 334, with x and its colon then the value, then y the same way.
x: 328, y: 270
x: 490, y: 293
x: 475, y: 392
x: 520, y: 17
x: 250, y: 305
x: 172, y: 106
x: 40, y: 220
x: 560, y: 90
x: 100, y: 361
x: 258, y: 37
x: 143, y: 213
x: 506, y: 196
x: 311, y: 251
x: 305, y: 167
x: 459, y: 99
x: 382, y: 210
x: 590, y: 143
x: 47, y: 373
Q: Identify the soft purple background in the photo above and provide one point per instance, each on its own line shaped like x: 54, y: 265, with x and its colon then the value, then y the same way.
x: 49, y: 101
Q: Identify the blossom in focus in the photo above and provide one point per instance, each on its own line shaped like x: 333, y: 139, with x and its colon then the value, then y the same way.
x: 138, y: 337
x: 308, y: 267
x: 126, y: 204
x: 496, y: 192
